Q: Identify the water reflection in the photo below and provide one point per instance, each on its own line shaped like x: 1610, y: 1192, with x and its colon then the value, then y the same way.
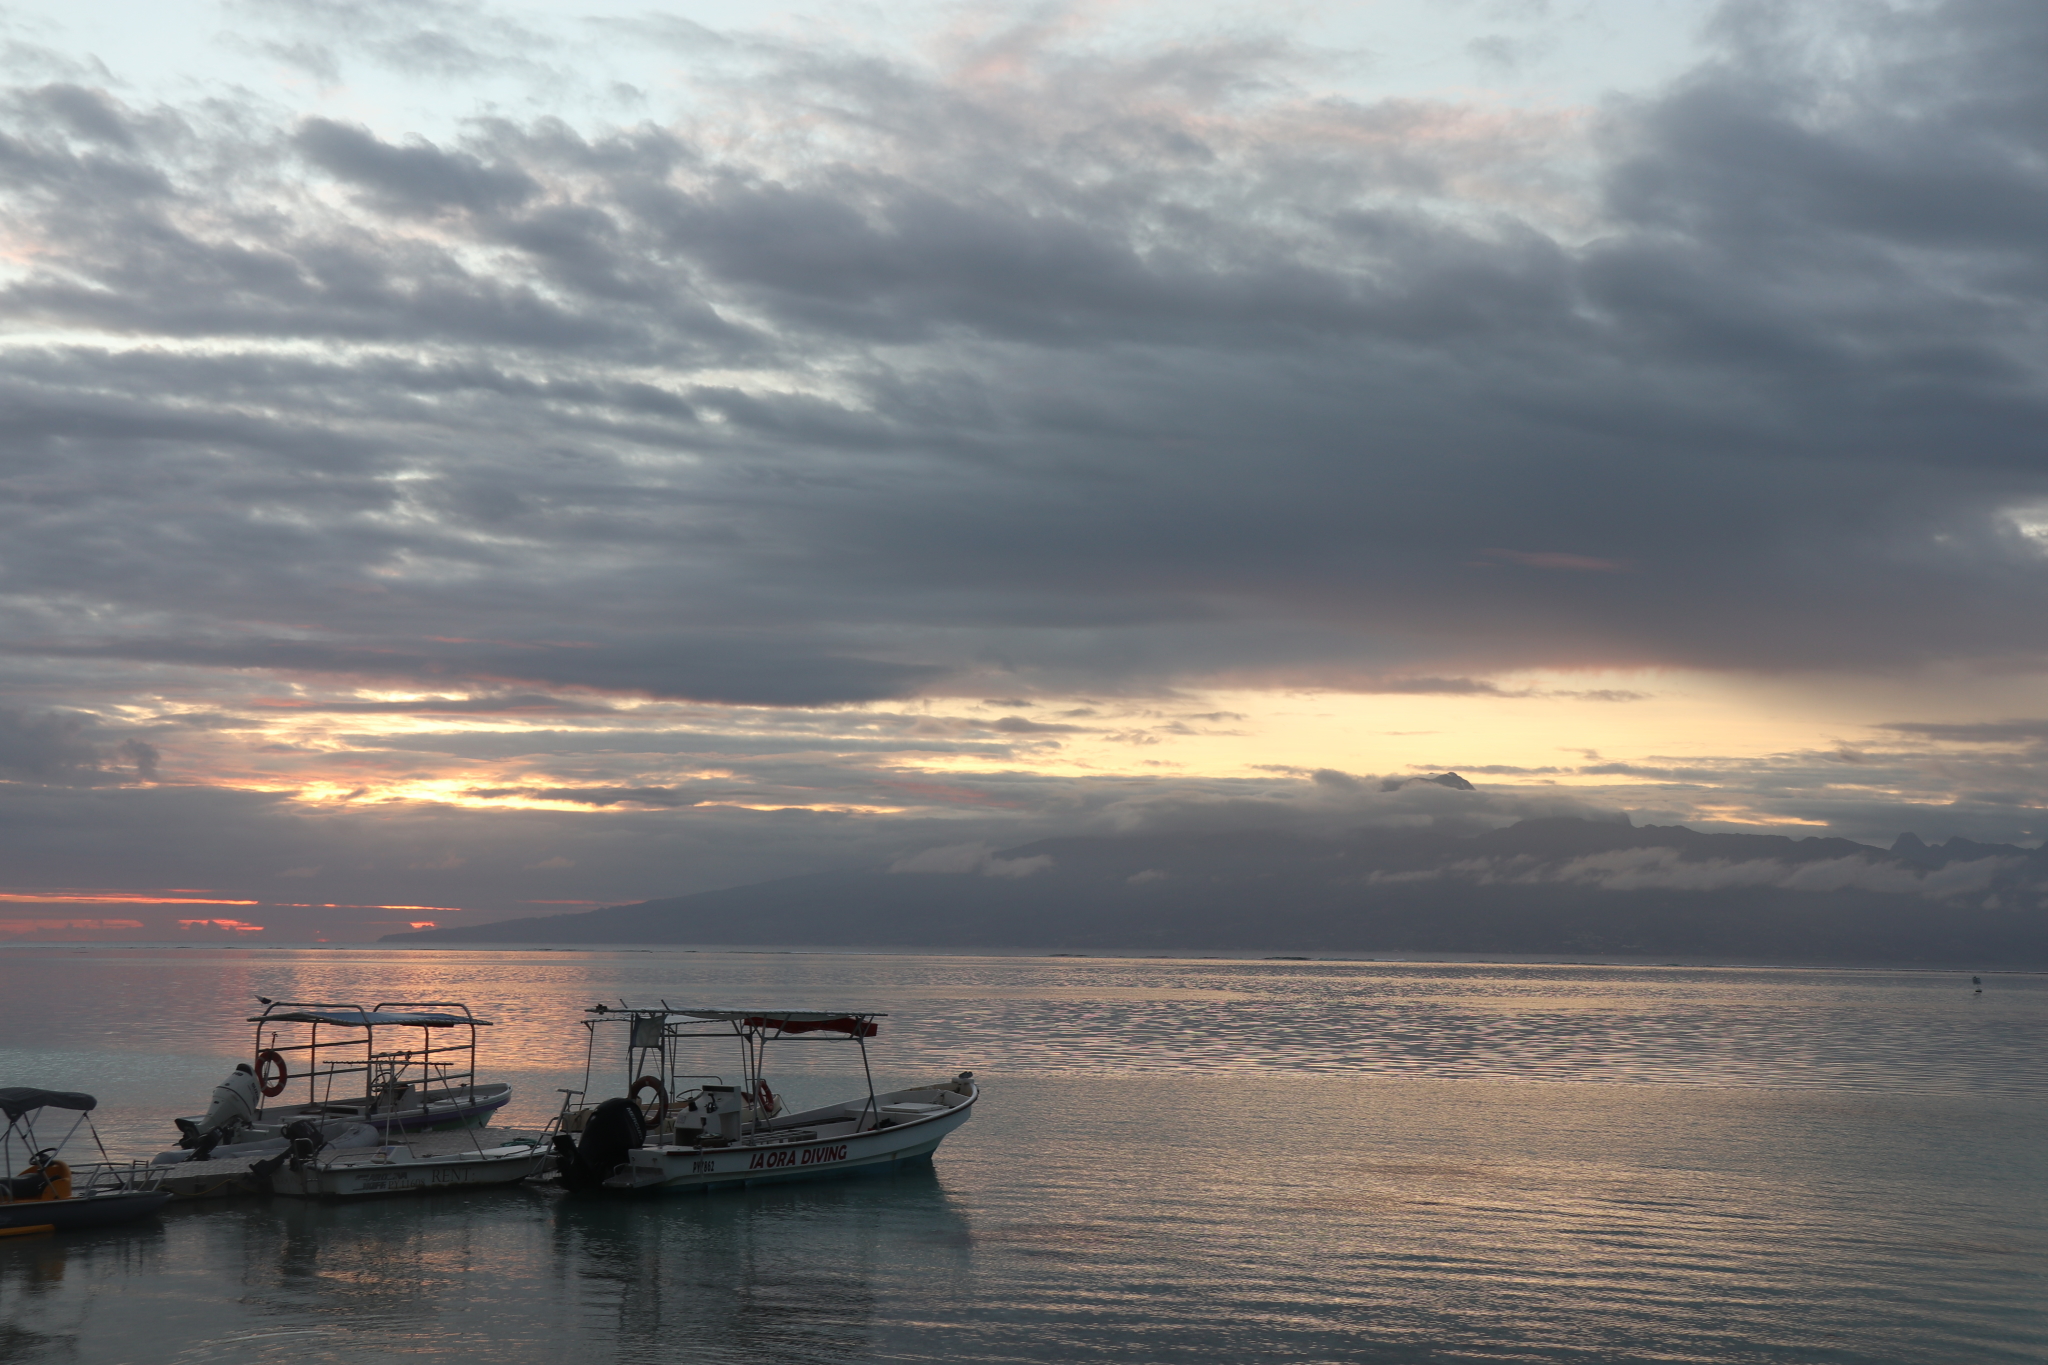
x: 1173, y: 1161
x: 1283, y: 1217
x: 47, y: 1285
x: 778, y: 1273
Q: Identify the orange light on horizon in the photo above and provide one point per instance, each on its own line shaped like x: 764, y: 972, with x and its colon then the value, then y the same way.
x: 234, y: 925
x: 114, y: 898
x: 422, y: 924
x: 332, y: 905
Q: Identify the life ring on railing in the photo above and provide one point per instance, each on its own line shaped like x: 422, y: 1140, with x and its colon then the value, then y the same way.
x: 271, y: 1073
x: 660, y: 1110
x: 764, y: 1098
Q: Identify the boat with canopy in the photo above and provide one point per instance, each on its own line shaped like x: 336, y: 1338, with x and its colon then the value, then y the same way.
x: 676, y: 1129
x: 50, y: 1194
x: 327, y: 1070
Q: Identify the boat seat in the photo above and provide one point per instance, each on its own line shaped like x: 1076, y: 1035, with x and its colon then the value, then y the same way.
x: 26, y: 1186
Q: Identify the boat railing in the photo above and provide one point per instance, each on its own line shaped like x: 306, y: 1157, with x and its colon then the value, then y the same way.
x: 93, y: 1177
x: 102, y: 1177
x: 330, y: 1065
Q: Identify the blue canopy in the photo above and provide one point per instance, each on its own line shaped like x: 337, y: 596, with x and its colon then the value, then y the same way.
x: 17, y: 1100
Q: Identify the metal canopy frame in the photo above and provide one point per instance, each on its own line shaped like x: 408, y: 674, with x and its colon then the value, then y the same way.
x: 88, y: 1178
x: 654, y: 1027
x: 329, y: 1060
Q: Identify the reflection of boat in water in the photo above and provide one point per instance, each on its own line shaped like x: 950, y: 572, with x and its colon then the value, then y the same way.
x: 50, y: 1194
x: 360, y: 1088
x: 784, y: 1272
x: 697, y: 1132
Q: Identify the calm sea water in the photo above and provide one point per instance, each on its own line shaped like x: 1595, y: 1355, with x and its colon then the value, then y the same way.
x: 1173, y: 1161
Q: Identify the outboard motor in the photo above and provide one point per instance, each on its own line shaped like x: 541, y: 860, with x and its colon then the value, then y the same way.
x: 613, y: 1129
x: 234, y: 1106
x: 305, y: 1138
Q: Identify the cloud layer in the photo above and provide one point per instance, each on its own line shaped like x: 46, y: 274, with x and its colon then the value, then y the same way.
x: 1025, y: 370
x: 1096, y: 368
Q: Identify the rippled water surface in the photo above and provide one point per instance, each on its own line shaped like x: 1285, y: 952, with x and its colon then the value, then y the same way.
x: 1173, y: 1161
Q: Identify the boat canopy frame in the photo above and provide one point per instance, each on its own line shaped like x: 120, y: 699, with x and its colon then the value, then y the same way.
x: 654, y: 1028
x: 331, y: 1059
x: 20, y: 1104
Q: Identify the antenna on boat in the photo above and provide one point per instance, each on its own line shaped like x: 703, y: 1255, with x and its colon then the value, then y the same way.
x: 860, y: 1035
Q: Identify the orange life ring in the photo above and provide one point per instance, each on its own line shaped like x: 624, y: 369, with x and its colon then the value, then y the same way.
x: 660, y: 1110
x: 267, y: 1061
x: 764, y: 1098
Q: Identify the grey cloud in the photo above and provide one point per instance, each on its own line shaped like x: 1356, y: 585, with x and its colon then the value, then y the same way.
x: 425, y: 39
x: 1446, y: 687
x: 1334, y: 803
x: 1018, y: 725
x: 416, y: 178
x: 143, y: 755
x: 1060, y: 481
x: 706, y: 743
x: 66, y: 748
x: 1642, y: 770
x: 1639, y: 869
x: 970, y: 859
x: 86, y: 113
x: 511, y: 704
x: 1976, y: 732
x: 44, y: 748
x: 764, y: 672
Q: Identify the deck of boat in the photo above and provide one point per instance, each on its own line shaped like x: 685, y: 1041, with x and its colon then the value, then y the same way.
x: 231, y: 1179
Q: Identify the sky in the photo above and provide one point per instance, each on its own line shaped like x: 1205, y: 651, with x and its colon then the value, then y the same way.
x: 466, y: 460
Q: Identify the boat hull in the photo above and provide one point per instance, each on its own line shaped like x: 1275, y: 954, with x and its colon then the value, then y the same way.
x: 470, y: 1107
x: 397, y: 1170
x: 80, y: 1211
x: 650, y: 1169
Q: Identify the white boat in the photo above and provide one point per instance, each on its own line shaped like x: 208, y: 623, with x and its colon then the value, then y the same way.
x: 432, y: 1162
x: 698, y: 1132
x: 353, y: 1076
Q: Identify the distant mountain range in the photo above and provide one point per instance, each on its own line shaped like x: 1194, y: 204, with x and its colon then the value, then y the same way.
x: 1572, y: 887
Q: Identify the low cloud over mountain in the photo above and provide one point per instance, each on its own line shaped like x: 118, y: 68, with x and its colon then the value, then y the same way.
x: 1563, y: 886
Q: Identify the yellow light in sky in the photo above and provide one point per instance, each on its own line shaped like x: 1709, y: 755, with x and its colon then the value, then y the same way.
x: 1532, y: 721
